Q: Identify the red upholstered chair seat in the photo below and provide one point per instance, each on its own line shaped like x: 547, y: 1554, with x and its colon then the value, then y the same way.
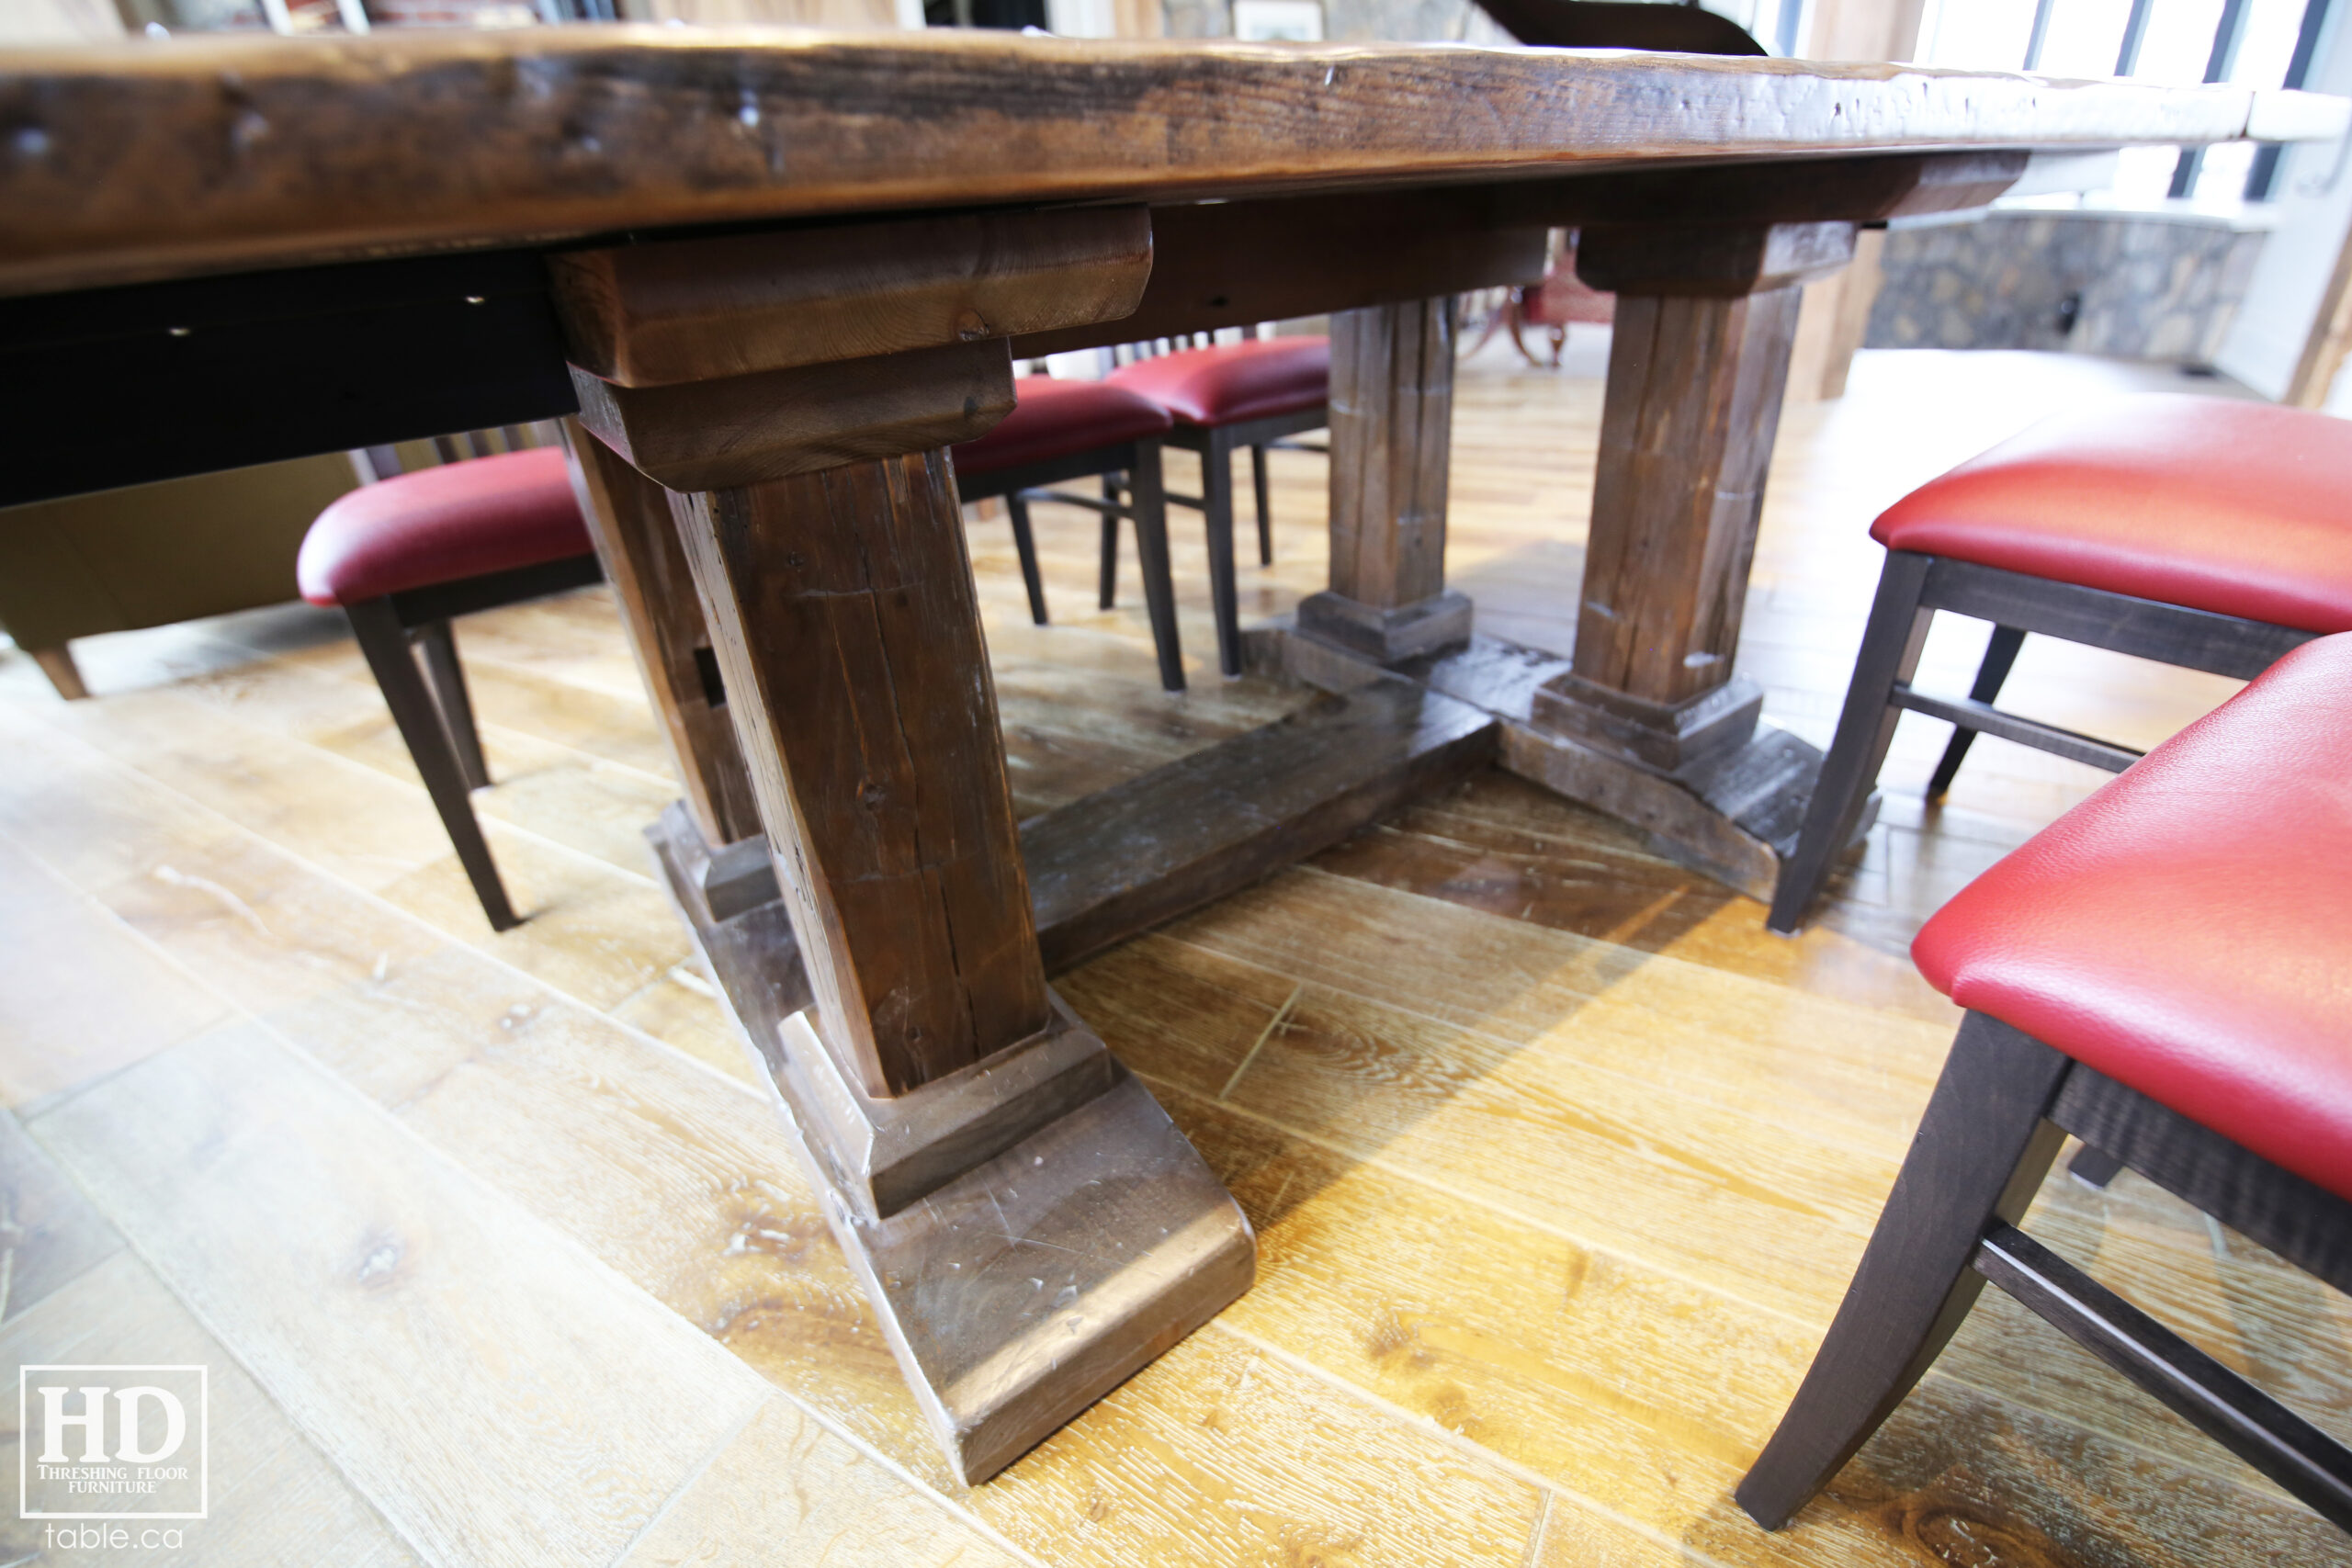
x: 2239, y: 508
x: 1058, y: 419
x: 1563, y: 297
x: 443, y: 525
x: 2187, y: 930
x: 1234, y: 382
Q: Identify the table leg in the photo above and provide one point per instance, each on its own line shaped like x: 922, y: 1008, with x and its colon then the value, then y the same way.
x: 844, y: 617
x: 628, y: 518
x: 1029, y: 1225
x: 1392, y: 425
x: 1651, y: 722
x: 1693, y: 404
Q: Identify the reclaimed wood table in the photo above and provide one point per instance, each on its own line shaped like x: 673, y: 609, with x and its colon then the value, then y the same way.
x: 775, y: 275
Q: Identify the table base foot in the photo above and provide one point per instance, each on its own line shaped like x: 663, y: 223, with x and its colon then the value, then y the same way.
x: 1674, y: 737
x: 1030, y: 1287
x: 1387, y: 635
x: 1020, y: 1291
x: 1732, y: 815
x: 717, y: 881
x: 1735, y: 817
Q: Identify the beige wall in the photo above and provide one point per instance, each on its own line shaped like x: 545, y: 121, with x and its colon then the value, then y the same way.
x: 1864, y: 29
x: 1836, y: 310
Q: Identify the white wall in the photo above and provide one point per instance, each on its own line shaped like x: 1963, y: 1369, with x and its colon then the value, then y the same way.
x: 1864, y: 29
x: 2314, y: 194
x: 58, y: 21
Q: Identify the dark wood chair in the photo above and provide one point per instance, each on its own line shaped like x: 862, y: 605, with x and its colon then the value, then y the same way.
x: 2161, y: 973
x: 1620, y: 24
x: 1062, y: 430
x: 1223, y: 397
x: 404, y: 555
x: 2204, y: 532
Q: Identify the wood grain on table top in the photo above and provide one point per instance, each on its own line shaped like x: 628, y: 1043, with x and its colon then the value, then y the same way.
x: 151, y: 159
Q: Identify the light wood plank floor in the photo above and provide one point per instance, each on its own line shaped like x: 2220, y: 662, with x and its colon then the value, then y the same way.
x: 1559, y: 1163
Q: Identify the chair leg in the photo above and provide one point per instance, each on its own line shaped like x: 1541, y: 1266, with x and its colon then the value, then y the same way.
x: 1890, y: 652
x: 1026, y: 544
x: 385, y: 644
x: 2000, y: 653
x: 1265, y: 505
x: 57, y: 663
x: 1494, y: 324
x: 1518, y: 319
x: 1981, y: 1152
x: 1216, y: 496
x: 2093, y: 1166
x: 1151, y: 550
x: 1110, y: 594
x: 448, y: 679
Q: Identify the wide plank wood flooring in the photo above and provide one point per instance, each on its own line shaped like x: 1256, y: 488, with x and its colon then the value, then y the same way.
x: 1558, y: 1162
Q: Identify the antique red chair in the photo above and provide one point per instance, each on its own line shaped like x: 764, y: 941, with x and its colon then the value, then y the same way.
x: 1560, y: 300
x: 1064, y: 430
x: 1243, y: 394
x: 2203, y: 531
x: 404, y: 555
x: 2167, y: 972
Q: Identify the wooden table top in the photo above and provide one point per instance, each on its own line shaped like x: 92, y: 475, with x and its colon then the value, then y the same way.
x: 154, y: 159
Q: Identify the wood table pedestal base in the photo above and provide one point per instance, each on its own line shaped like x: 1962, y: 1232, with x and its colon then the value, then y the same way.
x: 1032, y: 1229
x: 1733, y: 813
x: 1020, y: 1290
x: 1669, y: 737
x: 1387, y: 635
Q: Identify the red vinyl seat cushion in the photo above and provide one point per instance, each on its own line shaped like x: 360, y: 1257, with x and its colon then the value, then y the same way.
x: 1054, y: 418
x: 2187, y: 930
x: 443, y: 525
x: 1234, y: 382
x: 2240, y: 508
x: 1563, y: 297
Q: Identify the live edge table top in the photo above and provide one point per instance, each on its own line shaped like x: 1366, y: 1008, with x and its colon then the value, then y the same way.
x: 144, y: 161
x: 962, y: 1121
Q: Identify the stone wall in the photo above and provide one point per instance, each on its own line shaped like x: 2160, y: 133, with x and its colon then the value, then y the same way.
x: 2135, y: 286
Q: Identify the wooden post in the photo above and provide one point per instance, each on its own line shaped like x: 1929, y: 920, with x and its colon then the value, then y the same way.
x: 846, y: 619
x: 1392, y: 427
x: 1836, y: 318
x: 57, y: 663
x: 628, y: 517
x: 2330, y: 338
x: 1705, y: 317
x: 961, y: 1119
x: 1863, y: 280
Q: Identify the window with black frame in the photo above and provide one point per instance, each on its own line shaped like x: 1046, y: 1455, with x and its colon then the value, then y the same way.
x: 2254, y: 44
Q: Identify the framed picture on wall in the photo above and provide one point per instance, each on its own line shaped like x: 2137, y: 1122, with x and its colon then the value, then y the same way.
x: 1278, y: 21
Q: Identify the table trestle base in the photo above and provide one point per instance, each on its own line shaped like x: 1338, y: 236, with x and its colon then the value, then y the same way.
x: 1732, y: 814
x: 1023, y: 1289
x: 1031, y: 1229
x: 1114, y: 864
x: 1385, y: 634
